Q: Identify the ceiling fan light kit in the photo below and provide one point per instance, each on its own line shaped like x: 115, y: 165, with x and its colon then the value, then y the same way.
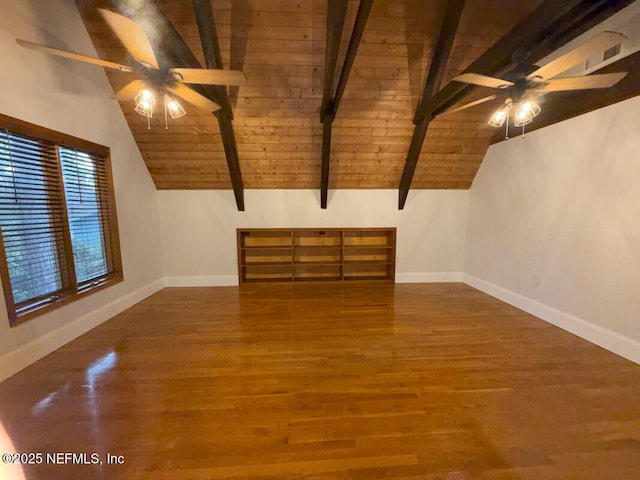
x: 525, y: 89
x: 146, y: 102
x: 155, y: 79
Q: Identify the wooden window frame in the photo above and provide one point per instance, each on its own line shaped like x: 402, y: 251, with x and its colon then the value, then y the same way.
x: 72, y: 292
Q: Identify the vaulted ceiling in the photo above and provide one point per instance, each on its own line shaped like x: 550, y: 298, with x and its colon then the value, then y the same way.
x: 270, y: 134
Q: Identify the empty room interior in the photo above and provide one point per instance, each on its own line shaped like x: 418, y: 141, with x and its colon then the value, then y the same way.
x: 308, y: 239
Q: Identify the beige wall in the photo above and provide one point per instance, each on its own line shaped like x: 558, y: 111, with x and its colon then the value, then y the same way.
x: 75, y: 99
x: 555, y: 218
x: 198, y: 228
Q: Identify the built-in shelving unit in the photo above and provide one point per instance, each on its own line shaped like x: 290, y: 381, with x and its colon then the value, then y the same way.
x: 329, y: 254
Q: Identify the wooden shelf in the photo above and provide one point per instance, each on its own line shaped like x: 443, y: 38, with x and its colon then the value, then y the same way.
x: 306, y: 254
x: 268, y: 248
x: 367, y: 262
x: 270, y: 263
x: 317, y: 263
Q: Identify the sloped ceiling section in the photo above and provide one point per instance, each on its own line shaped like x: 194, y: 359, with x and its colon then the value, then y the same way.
x: 280, y: 46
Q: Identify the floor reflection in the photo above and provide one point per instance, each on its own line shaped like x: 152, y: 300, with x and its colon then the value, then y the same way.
x: 94, y: 372
x: 43, y: 404
x: 99, y: 367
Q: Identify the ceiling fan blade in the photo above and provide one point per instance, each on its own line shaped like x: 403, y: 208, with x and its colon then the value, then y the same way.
x: 591, y: 47
x: 194, y: 98
x: 72, y: 56
x: 132, y: 36
x: 129, y: 91
x: 483, y: 80
x: 469, y: 105
x: 211, y: 76
x: 585, y: 82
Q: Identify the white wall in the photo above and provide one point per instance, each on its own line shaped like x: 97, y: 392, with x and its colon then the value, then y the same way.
x: 198, y: 228
x: 76, y: 99
x: 554, y: 225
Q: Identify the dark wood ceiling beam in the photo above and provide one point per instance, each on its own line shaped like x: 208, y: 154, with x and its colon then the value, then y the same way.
x: 336, y: 13
x: 324, y: 168
x: 436, y: 71
x: 211, y: 49
x: 356, y: 35
x: 210, y: 46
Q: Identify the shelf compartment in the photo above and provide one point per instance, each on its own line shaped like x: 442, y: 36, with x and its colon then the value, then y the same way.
x: 268, y: 272
x: 317, y: 254
x: 368, y: 253
x: 275, y: 255
x: 365, y: 238
x: 317, y: 271
x: 317, y: 238
x: 364, y: 270
x: 267, y: 238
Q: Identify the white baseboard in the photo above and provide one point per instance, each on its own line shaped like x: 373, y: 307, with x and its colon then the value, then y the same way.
x: 232, y: 280
x: 202, y: 281
x: 607, y: 339
x: 25, y: 355
x: 429, y: 277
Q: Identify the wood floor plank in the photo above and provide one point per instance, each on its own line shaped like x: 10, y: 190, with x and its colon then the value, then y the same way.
x: 321, y: 381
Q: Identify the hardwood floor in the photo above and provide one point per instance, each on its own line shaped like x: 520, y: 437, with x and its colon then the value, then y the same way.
x: 320, y: 381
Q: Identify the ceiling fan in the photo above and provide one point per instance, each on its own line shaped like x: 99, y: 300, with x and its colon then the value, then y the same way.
x: 523, y: 91
x: 154, y: 78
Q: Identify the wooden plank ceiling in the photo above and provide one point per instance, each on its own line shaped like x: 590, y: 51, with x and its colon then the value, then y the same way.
x: 280, y: 46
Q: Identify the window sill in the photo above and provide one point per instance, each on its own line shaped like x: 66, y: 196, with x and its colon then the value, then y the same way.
x: 30, y: 311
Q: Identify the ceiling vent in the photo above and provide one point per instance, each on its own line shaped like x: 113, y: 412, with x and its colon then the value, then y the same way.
x: 611, y: 52
x: 598, y: 62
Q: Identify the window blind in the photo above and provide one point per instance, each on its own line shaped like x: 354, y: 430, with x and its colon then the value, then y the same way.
x: 85, y: 186
x: 33, y: 218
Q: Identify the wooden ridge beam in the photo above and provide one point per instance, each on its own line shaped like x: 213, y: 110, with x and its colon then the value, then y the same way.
x: 436, y: 71
x: 354, y: 42
x: 211, y: 49
x: 336, y: 13
x: 210, y: 46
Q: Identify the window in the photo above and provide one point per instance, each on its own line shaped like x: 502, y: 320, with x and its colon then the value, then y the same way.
x: 57, y: 214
